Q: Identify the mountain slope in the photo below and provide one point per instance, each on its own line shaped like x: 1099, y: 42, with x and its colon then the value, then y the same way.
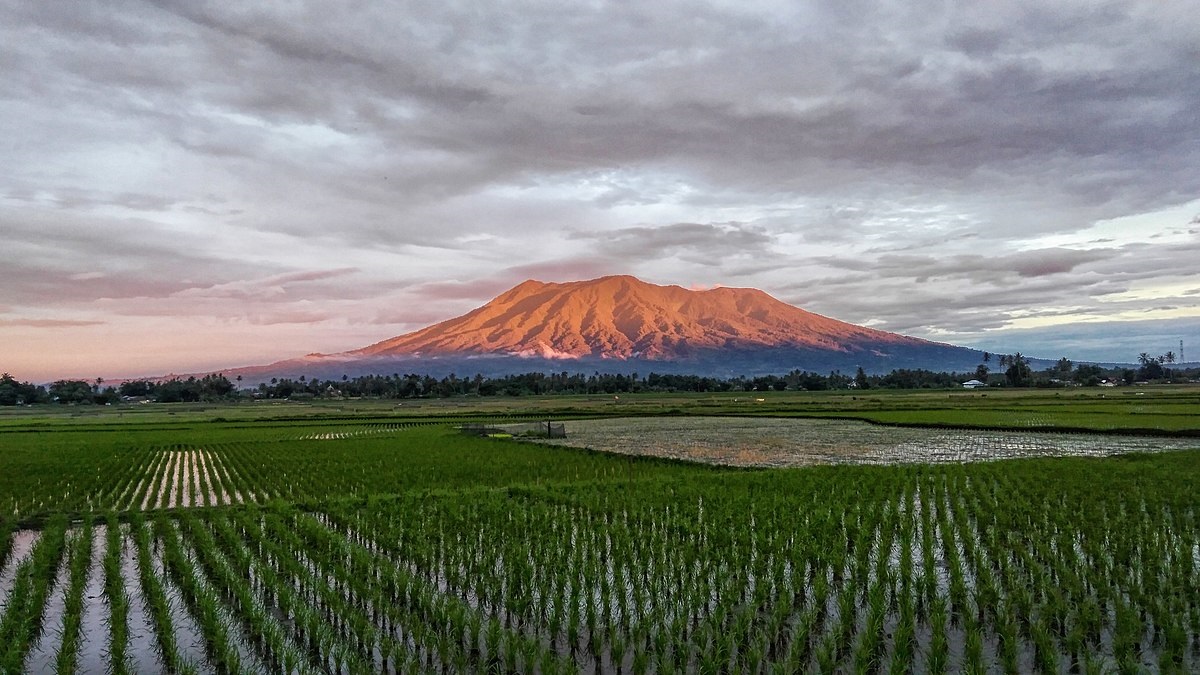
x: 622, y: 324
x: 621, y: 317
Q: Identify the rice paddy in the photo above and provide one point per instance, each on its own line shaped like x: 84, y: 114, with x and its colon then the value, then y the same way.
x: 791, y: 442
x: 385, y: 546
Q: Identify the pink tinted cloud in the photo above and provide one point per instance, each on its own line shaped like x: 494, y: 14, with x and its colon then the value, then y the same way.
x: 49, y: 323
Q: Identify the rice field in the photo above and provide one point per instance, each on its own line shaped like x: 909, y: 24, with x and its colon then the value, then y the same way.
x: 212, y: 548
x: 791, y: 442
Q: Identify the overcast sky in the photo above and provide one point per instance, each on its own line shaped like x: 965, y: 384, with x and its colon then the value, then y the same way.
x: 193, y: 185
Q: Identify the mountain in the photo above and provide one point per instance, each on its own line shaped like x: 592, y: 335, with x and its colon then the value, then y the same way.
x: 621, y: 317
x: 623, y: 324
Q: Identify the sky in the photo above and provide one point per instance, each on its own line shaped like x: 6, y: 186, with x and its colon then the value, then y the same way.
x: 189, y: 186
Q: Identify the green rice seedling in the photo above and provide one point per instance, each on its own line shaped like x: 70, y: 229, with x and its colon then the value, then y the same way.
x: 939, y: 642
x: 230, y: 565
x: 79, y: 562
x: 6, y: 531
x: 1044, y: 648
x: 114, y: 593
x: 21, y: 624
x: 904, y: 644
x: 203, y: 602
x: 155, y: 598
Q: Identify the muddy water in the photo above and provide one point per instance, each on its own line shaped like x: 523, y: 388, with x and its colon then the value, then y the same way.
x: 798, y: 442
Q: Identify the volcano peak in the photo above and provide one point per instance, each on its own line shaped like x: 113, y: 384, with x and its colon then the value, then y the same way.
x: 623, y: 317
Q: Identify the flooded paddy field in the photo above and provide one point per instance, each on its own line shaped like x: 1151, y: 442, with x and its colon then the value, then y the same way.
x: 419, y: 549
x: 788, y: 442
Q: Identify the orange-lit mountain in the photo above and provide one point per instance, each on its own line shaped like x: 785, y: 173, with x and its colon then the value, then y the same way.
x: 621, y: 317
x: 622, y: 324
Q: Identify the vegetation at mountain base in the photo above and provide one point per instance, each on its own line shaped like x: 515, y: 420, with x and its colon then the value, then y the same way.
x: 216, y: 387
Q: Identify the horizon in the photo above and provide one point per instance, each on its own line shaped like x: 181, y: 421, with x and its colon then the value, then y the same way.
x: 1103, y: 331
x: 194, y: 188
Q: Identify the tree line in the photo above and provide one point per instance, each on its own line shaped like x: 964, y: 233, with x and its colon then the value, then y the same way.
x: 1016, y: 372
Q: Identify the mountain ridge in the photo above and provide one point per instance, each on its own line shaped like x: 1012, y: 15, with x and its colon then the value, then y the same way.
x: 620, y: 324
x: 621, y: 317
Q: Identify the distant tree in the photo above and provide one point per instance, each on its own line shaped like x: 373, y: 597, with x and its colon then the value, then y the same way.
x: 1169, y: 357
x: 13, y: 392
x: 860, y: 379
x: 71, y: 391
x: 8, y: 390
x: 1144, y: 358
x: 1088, y: 374
x: 135, y: 388
x: 981, y: 373
x: 1018, y: 373
x: 1151, y: 369
x: 1064, y: 365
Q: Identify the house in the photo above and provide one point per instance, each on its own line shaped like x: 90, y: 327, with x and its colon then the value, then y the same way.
x: 973, y: 384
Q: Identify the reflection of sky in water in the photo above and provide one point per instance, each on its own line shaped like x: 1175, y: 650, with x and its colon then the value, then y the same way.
x: 782, y: 442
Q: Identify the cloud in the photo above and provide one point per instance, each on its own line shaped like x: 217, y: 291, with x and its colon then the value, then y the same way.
x: 907, y: 164
x: 49, y: 323
x: 703, y: 243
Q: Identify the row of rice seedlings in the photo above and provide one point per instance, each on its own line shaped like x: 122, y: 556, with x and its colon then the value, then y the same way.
x: 333, y: 588
x: 287, y: 584
x: 207, y: 496
x: 122, y: 492
x: 181, y: 490
x: 259, y: 628
x: 222, y: 476
x: 251, y: 476
x: 21, y: 625
x: 7, y: 525
x: 118, y: 601
x: 201, y: 599
x: 157, y: 606
x: 450, y: 632
x: 973, y: 612
x: 79, y: 565
x: 602, y: 622
x: 264, y: 601
x: 144, y: 496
